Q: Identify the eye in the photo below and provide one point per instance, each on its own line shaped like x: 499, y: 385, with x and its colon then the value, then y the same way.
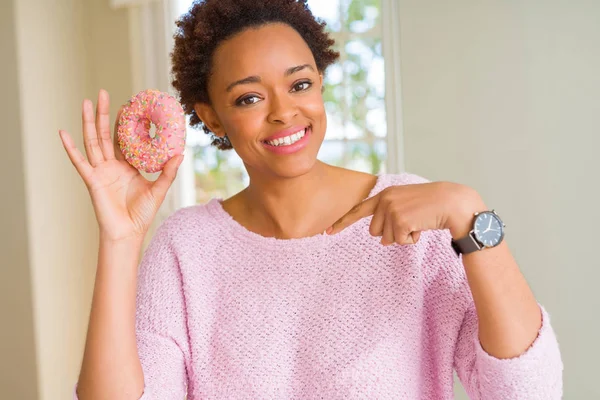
x: 247, y: 101
x: 301, y: 86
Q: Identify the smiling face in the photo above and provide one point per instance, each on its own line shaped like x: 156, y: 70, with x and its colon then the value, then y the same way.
x: 265, y: 91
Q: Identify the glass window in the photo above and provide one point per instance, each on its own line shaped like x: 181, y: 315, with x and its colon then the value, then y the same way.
x: 354, y: 100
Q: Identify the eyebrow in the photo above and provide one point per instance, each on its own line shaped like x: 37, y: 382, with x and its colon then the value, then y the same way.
x: 256, y: 79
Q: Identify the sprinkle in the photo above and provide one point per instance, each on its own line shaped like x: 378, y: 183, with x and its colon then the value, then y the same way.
x: 140, y: 150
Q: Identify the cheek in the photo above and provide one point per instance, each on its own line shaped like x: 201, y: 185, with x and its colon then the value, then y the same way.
x: 243, y: 125
x: 314, y: 109
x: 315, y: 105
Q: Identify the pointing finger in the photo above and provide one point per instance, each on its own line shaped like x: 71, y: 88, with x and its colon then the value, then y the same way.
x: 361, y: 210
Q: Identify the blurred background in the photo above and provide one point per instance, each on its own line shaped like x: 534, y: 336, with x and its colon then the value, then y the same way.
x: 503, y: 96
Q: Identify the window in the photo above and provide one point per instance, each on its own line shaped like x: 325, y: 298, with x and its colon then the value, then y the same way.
x: 354, y: 100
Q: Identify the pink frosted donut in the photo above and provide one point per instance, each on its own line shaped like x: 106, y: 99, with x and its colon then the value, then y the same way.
x: 139, y: 148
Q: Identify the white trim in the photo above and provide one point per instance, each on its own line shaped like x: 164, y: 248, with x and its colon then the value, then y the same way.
x: 148, y: 62
x: 393, y: 88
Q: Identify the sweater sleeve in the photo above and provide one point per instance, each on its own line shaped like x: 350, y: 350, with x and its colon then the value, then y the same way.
x: 535, y: 374
x: 161, y: 328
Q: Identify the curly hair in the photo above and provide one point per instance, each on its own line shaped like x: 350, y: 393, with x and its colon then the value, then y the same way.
x: 210, y: 22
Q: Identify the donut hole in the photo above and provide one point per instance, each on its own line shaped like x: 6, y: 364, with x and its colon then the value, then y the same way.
x: 152, y: 131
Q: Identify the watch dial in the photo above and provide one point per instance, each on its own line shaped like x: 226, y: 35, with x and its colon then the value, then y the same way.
x: 488, y: 229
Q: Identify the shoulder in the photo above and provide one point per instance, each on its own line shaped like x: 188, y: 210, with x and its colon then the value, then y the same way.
x: 404, y: 178
x: 189, y: 224
x: 190, y: 215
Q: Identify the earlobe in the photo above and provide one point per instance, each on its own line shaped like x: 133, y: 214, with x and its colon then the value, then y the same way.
x: 208, y: 116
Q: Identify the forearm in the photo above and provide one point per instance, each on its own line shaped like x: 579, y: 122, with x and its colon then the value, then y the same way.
x: 111, y: 368
x: 509, y: 315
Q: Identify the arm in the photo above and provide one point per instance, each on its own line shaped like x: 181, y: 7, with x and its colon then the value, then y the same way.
x: 506, y: 346
x: 111, y: 368
x: 508, y: 314
x: 125, y: 204
x: 139, y: 344
x: 521, y: 359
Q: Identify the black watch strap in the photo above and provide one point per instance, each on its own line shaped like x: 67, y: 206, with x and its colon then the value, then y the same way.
x: 465, y: 245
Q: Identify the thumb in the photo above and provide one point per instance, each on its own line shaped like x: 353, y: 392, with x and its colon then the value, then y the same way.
x: 167, y: 176
x: 116, y: 148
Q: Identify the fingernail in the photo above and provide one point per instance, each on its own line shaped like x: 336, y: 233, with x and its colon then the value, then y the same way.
x: 329, y: 230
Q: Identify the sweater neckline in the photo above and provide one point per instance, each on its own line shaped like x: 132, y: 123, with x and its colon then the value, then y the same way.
x: 228, y: 223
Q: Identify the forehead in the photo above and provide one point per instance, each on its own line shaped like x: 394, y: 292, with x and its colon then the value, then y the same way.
x: 265, y: 50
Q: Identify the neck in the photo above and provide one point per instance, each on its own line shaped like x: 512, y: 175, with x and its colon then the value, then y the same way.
x: 292, y: 207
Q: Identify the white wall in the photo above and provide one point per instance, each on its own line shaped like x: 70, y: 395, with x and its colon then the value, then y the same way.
x: 505, y: 96
x: 55, y: 54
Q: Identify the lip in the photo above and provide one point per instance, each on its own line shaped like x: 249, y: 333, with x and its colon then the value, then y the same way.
x: 286, y: 132
x: 292, y: 148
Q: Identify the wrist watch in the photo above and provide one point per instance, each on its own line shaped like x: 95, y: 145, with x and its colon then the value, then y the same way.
x: 488, y: 231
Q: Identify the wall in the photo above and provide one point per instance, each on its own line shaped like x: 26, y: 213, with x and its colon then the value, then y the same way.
x: 59, y: 52
x: 18, y: 373
x: 504, y: 97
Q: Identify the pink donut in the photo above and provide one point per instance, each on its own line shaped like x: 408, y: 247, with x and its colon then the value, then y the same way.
x: 164, y: 111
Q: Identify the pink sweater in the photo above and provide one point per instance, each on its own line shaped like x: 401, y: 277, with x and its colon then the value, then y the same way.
x: 225, y: 313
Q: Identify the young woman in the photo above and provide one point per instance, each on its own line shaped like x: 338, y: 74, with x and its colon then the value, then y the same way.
x: 314, y: 281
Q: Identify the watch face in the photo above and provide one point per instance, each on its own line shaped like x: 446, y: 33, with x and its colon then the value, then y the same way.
x: 489, y: 229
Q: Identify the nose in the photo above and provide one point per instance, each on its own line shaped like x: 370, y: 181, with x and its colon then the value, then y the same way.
x: 282, y: 108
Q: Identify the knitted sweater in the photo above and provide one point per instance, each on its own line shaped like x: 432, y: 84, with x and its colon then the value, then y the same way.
x: 225, y: 313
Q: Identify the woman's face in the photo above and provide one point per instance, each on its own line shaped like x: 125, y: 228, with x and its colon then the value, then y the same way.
x: 265, y: 91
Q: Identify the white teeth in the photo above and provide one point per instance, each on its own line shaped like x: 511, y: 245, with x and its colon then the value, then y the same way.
x: 286, y: 141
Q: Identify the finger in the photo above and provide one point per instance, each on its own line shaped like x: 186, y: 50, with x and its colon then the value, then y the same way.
x: 388, y: 232
x: 77, y: 159
x: 167, y: 176
x: 361, y: 210
x: 117, y: 150
x: 376, y: 227
x: 415, y: 236
x: 103, y: 125
x: 405, y: 236
x: 90, y: 138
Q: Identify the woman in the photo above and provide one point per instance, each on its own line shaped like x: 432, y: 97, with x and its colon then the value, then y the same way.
x: 314, y: 281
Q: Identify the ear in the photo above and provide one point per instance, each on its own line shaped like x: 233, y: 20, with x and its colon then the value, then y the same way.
x: 209, y: 117
x: 321, y: 82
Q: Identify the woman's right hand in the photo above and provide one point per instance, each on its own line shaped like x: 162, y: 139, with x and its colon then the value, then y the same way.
x: 124, y: 201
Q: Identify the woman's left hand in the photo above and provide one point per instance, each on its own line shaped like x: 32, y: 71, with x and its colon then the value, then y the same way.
x: 400, y: 213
